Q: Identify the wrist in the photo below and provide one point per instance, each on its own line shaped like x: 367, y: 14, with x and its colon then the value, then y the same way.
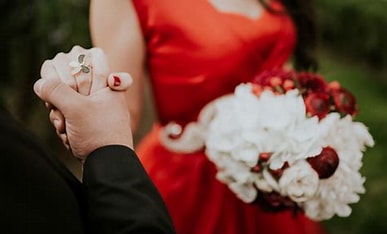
x: 107, y: 148
x: 87, y: 147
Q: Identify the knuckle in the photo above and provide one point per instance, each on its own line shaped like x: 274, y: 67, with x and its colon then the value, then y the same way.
x: 59, y: 56
x: 77, y: 48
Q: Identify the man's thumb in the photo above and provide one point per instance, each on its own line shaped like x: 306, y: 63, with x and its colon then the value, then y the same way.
x: 57, y: 93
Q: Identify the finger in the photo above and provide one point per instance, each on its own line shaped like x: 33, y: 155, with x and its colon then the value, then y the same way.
x: 57, y: 119
x: 81, y: 68
x: 57, y: 93
x: 49, y: 106
x: 65, y: 141
x: 49, y: 71
x: 63, y: 137
x: 100, y: 69
x: 119, y: 81
x: 67, y: 147
x: 61, y: 64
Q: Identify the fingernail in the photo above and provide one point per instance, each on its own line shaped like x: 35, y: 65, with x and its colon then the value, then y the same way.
x: 56, y: 123
x: 117, y: 81
x: 38, y: 85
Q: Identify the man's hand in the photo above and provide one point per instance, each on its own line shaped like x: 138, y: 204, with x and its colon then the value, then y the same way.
x: 85, y: 71
x: 93, y: 121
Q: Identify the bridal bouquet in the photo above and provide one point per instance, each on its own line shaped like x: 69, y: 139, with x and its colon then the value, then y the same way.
x: 286, y: 140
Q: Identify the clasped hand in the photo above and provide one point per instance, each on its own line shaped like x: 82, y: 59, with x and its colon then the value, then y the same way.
x: 88, y: 108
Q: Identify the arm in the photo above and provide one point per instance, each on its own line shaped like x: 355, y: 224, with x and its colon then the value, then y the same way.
x: 121, y: 197
x: 115, y: 28
x: 39, y: 195
x: 116, y: 183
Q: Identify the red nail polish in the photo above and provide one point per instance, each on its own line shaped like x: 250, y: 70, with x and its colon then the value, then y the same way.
x: 117, y: 81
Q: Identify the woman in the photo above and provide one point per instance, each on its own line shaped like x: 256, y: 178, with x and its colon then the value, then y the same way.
x: 195, y: 51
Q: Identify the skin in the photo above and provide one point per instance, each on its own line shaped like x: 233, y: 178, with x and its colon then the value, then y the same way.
x: 88, y: 124
x: 249, y: 8
x: 115, y: 28
x: 88, y: 110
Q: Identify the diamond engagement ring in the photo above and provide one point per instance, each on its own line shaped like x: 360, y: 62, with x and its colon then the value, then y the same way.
x: 83, y: 64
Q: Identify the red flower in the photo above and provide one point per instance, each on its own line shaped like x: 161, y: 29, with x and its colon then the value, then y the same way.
x: 334, y: 85
x: 275, y: 202
x: 344, y: 101
x: 278, y: 172
x: 288, y: 85
x: 326, y: 163
x: 320, y: 97
x: 317, y: 104
x: 264, y: 156
x: 311, y: 83
x: 273, y: 77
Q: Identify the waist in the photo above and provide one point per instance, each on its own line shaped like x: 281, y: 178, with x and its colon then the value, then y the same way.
x: 172, y: 138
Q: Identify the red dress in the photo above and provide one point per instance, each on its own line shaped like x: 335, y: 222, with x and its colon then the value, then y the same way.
x: 196, y: 54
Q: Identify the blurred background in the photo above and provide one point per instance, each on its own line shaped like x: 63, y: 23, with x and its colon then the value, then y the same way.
x: 353, y: 50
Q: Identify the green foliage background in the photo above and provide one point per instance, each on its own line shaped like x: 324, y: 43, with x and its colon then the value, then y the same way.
x: 370, y: 214
x: 30, y: 32
x: 353, y: 51
x: 356, y: 28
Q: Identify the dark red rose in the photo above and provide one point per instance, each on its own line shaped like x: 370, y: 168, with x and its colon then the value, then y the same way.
x: 278, y: 172
x: 264, y: 156
x: 317, y: 104
x: 262, y: 159
x: 344, y: 101
x: 278, y: 74
x: 311, y: 82
x: 257, y: 168
x: 274, y: 202
x: 326, y: 163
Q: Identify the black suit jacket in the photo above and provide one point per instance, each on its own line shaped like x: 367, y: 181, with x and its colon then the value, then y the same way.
x: 39, y: 195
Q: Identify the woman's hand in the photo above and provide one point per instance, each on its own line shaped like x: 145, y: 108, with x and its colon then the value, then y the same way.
x: 83, y: 70
x: 86, y: 71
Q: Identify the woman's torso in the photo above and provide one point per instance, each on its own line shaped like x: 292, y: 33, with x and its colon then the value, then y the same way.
x: 194, y: 55
x: 197, y: 53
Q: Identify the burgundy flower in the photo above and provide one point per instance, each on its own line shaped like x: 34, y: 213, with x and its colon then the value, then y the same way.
x: 317, y: 104
x: 311, y: 82
x: 278, y: 172
x: 277, y: 75
x: 256, y: 169
x: 274, y: 202
x: 326, y: 163
x: 264, y: 156
x: 344, y: 101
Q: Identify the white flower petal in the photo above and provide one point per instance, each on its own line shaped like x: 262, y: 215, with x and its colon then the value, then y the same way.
x: 244, y: 192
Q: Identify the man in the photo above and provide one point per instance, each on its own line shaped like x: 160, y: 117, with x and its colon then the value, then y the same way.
x: 39, y: 195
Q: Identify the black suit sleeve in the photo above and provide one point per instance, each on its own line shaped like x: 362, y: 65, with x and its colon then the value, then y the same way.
x: 121, y: 197
x: 38, y: 194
